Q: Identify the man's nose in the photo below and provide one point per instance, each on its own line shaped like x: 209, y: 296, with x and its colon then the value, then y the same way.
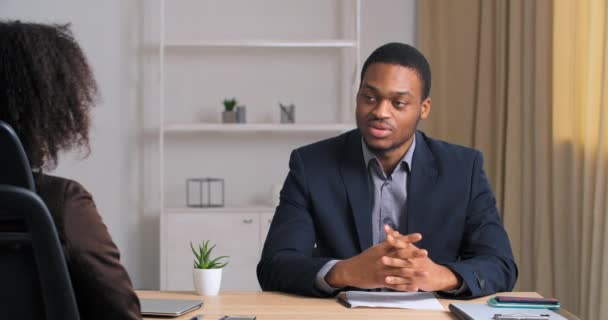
x: 382, y: 109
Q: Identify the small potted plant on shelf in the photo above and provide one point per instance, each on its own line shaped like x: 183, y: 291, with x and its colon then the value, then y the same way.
x: 207, y: 271
x: 229, y: 115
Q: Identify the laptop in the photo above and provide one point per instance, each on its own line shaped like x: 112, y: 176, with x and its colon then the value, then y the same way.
x: 168, y: 307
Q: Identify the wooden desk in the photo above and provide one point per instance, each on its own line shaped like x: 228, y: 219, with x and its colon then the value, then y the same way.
x: 273, y: 305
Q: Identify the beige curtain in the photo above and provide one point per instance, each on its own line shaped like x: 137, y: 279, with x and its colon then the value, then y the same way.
x: 525, y: 82
x: 580, y: 138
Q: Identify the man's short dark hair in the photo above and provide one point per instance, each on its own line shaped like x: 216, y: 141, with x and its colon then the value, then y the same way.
x: 403, y: 55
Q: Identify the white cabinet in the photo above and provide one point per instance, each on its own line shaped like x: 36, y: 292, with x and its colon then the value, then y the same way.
x: 238, y: 235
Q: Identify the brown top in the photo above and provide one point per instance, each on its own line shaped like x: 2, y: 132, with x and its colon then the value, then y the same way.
x: 101, y: 284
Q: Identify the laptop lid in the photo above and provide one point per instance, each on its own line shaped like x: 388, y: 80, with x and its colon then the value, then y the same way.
x: 168, y: 307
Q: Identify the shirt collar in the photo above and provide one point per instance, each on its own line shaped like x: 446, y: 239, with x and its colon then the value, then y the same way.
x: 407, y: 157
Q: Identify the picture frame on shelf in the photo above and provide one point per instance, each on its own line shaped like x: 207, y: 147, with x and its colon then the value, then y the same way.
x: 201, y: 193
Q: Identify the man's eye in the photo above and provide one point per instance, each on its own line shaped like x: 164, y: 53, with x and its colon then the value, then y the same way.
x: 399, y: 104
x: 369, y: 98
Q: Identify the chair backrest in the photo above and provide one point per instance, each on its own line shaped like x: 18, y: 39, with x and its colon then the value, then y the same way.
x: 34, y: 278
x: 14, y: 167
x: 29, y: 255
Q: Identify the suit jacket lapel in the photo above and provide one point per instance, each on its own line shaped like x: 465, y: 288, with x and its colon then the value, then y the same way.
x: 354, y: 174
x: 420, y: 184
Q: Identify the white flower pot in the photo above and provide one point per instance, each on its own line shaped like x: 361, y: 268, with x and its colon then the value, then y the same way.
x: 207, y: 282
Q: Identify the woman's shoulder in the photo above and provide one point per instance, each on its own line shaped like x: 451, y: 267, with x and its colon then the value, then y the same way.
x: 97, y: 275
x: 66, y: 199
x: 58, y: 189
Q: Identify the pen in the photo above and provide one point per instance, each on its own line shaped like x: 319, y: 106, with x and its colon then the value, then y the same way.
x: 197, y: 317
x: 520, y: 316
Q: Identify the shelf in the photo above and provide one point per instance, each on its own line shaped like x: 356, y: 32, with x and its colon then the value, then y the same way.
x: 257, y: 127
x: 252, y: 209
x: 264, y: 44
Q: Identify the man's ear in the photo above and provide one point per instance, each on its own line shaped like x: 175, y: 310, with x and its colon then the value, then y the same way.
x: 426, y: 108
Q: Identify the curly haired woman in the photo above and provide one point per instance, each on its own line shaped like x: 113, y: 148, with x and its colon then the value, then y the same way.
x: 47, y: 90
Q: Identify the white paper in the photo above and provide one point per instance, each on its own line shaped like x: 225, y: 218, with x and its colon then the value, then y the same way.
x: 403, y: 300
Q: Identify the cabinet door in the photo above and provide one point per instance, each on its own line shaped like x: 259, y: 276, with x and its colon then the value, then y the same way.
x: 265, y: 221
x: 235, y: 235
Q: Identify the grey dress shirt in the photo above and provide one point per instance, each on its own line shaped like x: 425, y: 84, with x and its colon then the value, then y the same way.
x: 388, y: 194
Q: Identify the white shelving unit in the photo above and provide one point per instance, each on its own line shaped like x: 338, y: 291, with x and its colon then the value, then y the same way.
x: 252, y: 209
x: 257, y: 127
x: 265, y: 44
x: 255, y: 219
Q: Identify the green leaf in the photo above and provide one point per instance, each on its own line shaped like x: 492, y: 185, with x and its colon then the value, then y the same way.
x: 198, y: 257
x: 205, y: 252
x: 209, y: 252
x: 218, y: 258
x: 203, y: 256
x: 229, y: 104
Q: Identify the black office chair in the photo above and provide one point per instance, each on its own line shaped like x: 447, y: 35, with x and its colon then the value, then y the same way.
x: 14, y: 167
x: 34, y: 278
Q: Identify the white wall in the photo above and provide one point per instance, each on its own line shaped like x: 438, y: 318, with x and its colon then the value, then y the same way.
x: 119, y: 38
x: 386, y: 21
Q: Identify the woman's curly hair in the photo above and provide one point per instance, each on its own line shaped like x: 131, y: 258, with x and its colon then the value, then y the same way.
x: 46, y: 89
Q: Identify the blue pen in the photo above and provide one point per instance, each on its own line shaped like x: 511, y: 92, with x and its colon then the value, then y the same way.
x: 197, y: 317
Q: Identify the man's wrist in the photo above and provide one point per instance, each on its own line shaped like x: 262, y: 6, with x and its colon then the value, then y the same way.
x: 450, y: 280
x: 320, y: 283
x: 336, y: 277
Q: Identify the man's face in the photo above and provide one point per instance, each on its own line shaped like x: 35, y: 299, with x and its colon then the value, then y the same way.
x: 389, y: 106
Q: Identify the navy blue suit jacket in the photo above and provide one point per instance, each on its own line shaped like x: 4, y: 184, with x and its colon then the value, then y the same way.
x: 325, y: 213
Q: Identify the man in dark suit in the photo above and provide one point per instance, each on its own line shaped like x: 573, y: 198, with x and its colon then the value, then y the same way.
x: 385, y: 206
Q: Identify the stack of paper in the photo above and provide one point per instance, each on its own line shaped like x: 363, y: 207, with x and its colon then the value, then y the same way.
x: 404, y: 300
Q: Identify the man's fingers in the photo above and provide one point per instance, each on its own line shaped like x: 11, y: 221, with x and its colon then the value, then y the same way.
x: 420, y: 274
x: 410, y: 252
x: 407, y: 273
x: 402, y: 241
x: 396, y: 262
x: 388, y: 230
x: 411, y: 238
x: 419, y: 253
x: 397, y: 242
x: 392, y: 280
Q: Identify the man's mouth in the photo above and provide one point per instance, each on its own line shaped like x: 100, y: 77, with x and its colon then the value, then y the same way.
x: 379, y: 130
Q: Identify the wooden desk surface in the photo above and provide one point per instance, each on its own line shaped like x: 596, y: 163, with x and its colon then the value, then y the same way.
x: 273, y: 305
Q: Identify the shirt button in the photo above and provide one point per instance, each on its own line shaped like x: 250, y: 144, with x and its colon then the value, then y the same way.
x: 388, y: 221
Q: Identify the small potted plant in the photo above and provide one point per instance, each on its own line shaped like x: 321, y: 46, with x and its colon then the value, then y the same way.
x: 229, y: 115
x: 207, y: 271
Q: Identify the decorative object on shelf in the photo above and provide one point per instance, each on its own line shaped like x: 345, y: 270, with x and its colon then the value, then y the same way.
x: 228, y: 115
x: 288, y: 113
x: 210, y: 193
x: 241, y: 114
x: 207, y: 272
